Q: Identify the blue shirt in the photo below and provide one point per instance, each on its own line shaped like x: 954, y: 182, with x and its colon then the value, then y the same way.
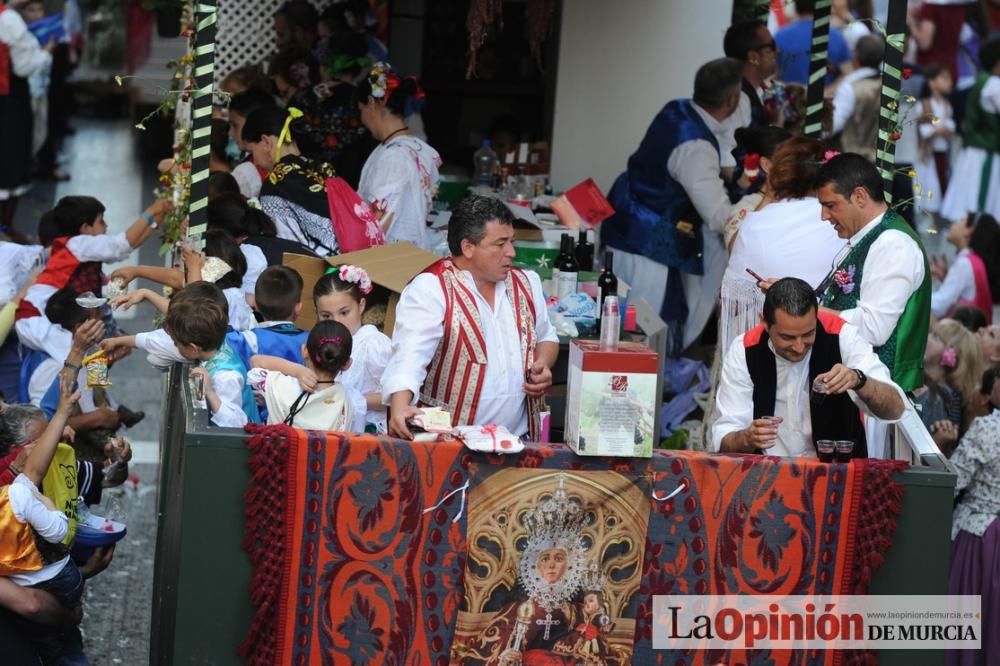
x: 794, y: 42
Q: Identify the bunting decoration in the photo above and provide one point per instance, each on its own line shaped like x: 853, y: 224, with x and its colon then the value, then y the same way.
x: 892, y: 75
x: 818, y: 53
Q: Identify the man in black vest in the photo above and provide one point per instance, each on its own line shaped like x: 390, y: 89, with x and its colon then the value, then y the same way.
x: 765, y: 400
x: 751, y: 43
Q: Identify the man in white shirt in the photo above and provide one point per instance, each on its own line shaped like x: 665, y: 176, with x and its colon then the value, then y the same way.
x: 765, y: 400
x: 882, y: 285
x: 671, y: 203
x: 857, y: 100
x: 472, y: 333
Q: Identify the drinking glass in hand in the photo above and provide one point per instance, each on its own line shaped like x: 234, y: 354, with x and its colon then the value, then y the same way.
x: 818, y: 393
x: 845, y: 448
x: 775, y: 423
x: 826, y: 448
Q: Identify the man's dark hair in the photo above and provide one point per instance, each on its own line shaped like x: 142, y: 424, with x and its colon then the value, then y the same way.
x: 299, y: 14
x: 869, y: 51
x: 741, y: 38
x: 989, y: 54
x: 792, y: 296
x: 849, y: 171
x: 277, y: 292
x: 804, y: 7
x: 62, y: 309
x: 222, y: 182
x: 970, y: 317
x: 250, y: 99
x: 470, y: 217
x: 717, y: 81
x: 73, y: 212
x: 47, y: 229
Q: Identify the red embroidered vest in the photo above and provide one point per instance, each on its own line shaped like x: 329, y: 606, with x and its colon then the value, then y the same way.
x: 457, y: 373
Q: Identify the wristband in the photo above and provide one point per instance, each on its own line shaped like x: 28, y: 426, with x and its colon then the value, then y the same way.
x: 71, y: 366
x: 150, y: 221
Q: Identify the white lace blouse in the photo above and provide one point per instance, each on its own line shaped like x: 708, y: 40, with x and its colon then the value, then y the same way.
x: 977, y: 460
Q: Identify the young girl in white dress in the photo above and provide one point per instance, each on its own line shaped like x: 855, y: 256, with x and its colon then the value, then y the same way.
x: 400, y: 177
x: 309, y: 396
x: 340, y: 296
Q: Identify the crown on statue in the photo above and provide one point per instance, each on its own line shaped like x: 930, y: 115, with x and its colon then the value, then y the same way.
x: 556, y: 521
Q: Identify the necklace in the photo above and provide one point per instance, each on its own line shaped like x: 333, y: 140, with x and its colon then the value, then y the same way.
x: 404, y: 128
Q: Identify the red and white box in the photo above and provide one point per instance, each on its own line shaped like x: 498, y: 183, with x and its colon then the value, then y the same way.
x: 611, y: 399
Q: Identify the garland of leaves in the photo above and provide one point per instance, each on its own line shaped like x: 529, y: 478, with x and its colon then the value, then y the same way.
x: 483, y: 13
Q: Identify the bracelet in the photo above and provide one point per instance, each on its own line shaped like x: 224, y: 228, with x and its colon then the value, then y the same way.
x: 71, y: 366
x: 150, y: 221
x: 13, y: 468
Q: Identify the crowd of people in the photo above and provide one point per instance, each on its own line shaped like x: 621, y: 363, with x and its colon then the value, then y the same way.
x: 825, y: 296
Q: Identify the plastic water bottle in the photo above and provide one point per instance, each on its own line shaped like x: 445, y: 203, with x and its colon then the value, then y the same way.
x: 483, y: 162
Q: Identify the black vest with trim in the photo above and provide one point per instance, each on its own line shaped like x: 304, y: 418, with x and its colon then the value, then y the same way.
x: 836, y: 417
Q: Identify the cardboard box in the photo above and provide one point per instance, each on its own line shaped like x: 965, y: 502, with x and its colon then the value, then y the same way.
x: 389, y: 266
x: 612, y: 399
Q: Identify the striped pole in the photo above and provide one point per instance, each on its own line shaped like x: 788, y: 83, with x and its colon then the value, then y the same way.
x: 892, y: 73
x: 818, y: 52
x: 201, y: 127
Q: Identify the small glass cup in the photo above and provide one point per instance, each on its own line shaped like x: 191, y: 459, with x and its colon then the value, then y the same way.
x: 818, y: 393
x: 845, y: 448
x: 826, y: 448
x: 775, y: 423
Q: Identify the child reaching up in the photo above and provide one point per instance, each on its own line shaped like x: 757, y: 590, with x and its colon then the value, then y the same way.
x: 309, y: 396
x: 340, y: 296
x: 198, y: 328
x: 34, y: 529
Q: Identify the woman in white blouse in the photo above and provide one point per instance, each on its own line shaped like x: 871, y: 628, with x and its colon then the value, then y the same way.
x: 973, y: 277
x: 400, y: 178
x: 975, y: 531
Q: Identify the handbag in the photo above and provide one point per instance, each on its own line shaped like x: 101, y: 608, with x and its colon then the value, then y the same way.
x: 354, y: 224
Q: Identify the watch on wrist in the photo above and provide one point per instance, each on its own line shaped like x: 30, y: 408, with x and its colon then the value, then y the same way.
x: 149, y: 220
x: 862, y: 379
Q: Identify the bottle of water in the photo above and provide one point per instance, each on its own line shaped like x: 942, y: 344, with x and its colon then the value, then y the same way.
x: 482, y: 164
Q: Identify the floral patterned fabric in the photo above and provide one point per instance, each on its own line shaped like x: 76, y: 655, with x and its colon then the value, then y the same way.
x: 977, y: 460
x: 351, y: 567
x: 294, y: 196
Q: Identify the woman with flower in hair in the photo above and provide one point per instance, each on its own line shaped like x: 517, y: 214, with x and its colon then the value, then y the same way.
x: 340, y: 296
x: 400, y: 178
x: 939, y: 406
x: 784, y: 237
x: 962, y: 360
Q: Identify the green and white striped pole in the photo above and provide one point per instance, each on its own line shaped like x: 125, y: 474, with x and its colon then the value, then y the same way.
x: 201, y: 126
x: 818, y: 58
x: 892, y: 74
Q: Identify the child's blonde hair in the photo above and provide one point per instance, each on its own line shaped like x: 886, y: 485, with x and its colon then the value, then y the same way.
x: 965, y: 373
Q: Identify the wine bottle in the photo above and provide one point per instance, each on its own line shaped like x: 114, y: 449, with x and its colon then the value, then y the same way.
x: 585, y: 252
x: 555, y: 265
x: 607, y: 282
x: 568, y: 269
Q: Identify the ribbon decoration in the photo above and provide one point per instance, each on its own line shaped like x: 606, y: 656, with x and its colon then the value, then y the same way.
x: 201, y: 134
x: 286, y: 131
x: 818, y: 57
x: 461, y: 507
x: 892, y: 74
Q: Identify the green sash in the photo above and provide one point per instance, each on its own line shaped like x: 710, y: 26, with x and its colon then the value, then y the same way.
x: 903, y: 352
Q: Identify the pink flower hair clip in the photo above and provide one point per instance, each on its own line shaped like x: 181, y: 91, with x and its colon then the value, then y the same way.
x: 829, y: 155
x: 356, y: 275
x: 949, y: 358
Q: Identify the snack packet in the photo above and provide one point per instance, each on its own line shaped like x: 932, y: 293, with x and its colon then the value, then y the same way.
x: 96, y: 366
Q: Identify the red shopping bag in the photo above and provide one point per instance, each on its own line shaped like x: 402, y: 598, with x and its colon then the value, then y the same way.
x: 354, y: 224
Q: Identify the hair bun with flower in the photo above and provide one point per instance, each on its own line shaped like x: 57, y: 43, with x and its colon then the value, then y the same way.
x: 382, y: 81
x: 949, y: 358
x: 356, y: 275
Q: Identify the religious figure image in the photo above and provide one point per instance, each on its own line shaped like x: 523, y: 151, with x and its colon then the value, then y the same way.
x: 554, y: 563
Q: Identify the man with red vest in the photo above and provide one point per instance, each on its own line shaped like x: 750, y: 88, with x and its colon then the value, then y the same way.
x: 472, y: 332
x: 765, y: 400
